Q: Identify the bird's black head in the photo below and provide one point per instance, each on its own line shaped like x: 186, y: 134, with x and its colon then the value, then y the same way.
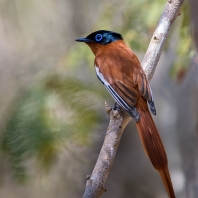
x: 103, y: 37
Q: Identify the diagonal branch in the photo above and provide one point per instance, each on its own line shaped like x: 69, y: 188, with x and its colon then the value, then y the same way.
x: 95, y: 185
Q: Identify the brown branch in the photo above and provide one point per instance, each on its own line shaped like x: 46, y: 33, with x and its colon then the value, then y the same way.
x: 95, y: 185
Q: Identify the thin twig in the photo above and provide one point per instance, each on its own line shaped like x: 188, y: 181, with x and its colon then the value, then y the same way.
x: 95, y: 185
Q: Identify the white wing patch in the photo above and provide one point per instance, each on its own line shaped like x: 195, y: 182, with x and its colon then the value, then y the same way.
x: 110, y: 89
x: 101, y: 77
x: 132, y: 111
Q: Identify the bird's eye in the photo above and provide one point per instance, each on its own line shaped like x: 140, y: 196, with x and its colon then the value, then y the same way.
x: 98, y: 37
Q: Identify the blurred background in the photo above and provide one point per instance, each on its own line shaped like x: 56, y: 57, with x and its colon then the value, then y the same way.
x: 52, y: 115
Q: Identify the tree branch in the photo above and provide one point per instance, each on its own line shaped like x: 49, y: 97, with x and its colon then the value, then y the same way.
x: 95, y: 185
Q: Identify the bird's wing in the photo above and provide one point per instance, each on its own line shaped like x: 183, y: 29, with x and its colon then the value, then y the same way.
x: 139, y: 78
x: 126, y: 98
x: 125, y: 87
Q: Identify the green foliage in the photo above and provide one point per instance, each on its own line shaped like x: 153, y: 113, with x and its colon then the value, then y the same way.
x: 79, y: 55
x: 140, y: 19
x: 58, y: 110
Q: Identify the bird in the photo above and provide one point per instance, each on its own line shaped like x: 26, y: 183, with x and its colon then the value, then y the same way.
x: 120, y: 71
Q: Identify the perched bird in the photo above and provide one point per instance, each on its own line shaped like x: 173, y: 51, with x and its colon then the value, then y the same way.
x: 120, y: 71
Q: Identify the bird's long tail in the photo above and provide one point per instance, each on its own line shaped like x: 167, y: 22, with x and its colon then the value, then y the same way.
x: 153, y: 146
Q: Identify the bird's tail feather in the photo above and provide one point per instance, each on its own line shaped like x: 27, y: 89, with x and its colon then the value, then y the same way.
x: 167, y: 182
x: 153, y: 147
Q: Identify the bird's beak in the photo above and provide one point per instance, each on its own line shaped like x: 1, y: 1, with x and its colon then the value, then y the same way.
x: 85, y: 40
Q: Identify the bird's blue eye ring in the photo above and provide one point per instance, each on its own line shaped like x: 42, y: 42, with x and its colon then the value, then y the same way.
x: 98, y: 37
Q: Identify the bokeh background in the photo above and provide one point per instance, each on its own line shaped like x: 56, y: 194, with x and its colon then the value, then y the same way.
x: 52, y: 115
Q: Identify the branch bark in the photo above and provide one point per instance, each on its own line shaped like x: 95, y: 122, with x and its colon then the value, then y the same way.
x: 95, y: 185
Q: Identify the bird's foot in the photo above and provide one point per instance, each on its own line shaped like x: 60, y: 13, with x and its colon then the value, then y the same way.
x: 116, y: 107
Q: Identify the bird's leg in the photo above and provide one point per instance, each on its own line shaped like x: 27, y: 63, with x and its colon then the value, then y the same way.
x: 116, y: 107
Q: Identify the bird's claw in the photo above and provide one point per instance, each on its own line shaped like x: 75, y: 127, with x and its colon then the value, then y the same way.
x: 116, y: 107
